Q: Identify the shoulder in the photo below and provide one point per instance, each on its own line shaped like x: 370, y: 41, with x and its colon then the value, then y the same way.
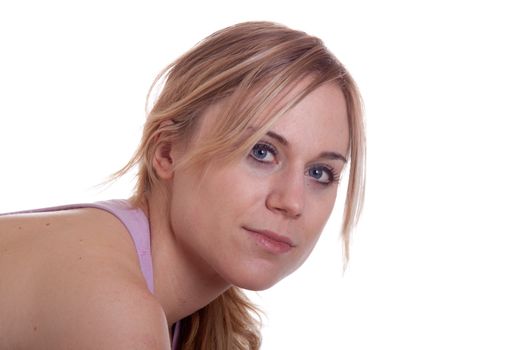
x: 99, y: 298
x: 75, y: 282
x: 112, y: 315
x: 73, y: 230
x: 104, y: 303
x: 69, y: 244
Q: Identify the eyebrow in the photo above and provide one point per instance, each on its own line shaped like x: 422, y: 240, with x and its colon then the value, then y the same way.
x: 334, y: 156
x: 278, y: 137
x: 326, y: 155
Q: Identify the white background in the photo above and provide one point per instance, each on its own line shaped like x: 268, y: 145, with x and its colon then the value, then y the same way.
x: 438, y: 261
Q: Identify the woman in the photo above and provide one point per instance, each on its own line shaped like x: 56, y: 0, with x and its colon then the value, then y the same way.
x: 238, y: 171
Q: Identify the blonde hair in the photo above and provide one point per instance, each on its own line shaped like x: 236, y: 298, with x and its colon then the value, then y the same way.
x: 249, y: 66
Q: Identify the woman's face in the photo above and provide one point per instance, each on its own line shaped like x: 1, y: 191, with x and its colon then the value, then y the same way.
x: 255, y: 220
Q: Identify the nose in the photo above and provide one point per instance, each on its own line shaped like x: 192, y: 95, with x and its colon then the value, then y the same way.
x: 287, y: 193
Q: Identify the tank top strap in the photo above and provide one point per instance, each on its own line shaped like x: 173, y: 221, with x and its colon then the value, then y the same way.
x: 132, y: 218
x: 137, y: 225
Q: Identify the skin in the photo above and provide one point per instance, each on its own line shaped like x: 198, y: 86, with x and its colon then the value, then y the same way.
x: 203, y: 241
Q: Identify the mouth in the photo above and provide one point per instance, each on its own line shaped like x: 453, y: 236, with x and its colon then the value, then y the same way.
x: 271, y: 241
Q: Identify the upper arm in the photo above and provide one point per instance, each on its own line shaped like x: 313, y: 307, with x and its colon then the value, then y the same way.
x: 127, y: 323
x: 115, y: 319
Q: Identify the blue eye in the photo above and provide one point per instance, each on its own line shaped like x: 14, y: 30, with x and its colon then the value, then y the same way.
x: 322, y: 174
x: 263, y: 152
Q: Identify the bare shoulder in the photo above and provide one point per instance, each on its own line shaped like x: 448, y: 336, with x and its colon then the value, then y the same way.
x: 72, y: 280
x: 113, y: 315
x: 56, y: 248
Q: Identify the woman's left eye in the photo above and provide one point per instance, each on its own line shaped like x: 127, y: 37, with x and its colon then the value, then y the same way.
x: 322, y: 174
x: 263, y: 152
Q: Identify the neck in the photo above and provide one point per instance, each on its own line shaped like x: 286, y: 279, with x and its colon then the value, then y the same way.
x: 184, y: 283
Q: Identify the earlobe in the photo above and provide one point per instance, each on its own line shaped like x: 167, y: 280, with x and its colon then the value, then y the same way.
x: 163, y: 160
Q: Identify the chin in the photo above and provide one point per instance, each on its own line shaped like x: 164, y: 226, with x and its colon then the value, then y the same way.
x: 256, y: 286
x: 257, y: 280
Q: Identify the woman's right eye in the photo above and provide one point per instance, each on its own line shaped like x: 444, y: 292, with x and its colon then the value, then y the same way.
x: 263, y: 152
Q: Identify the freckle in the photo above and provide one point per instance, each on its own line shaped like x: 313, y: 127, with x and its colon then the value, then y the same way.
x: 47, y: 224
x: 19, y: 227
x: 79, y: 258
x: 81, y: 240
x: 35, y: 328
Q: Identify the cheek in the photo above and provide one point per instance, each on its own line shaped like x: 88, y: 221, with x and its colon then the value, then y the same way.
x: 224, y: 199
x: 315, y: 217
x: 235, y: 188
x: 321, y: 206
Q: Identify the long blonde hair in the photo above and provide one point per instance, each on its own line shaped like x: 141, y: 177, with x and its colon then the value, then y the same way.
x: 249, y: 65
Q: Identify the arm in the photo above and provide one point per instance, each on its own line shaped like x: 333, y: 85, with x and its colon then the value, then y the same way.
x: 127, y: 318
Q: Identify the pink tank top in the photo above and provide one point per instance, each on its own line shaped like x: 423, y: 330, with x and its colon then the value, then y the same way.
x: 137, y: 225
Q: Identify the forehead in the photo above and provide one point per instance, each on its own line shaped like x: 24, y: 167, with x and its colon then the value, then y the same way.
x: 319, y: 121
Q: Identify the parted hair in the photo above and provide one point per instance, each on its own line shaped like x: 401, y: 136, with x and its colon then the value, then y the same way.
x: 250, y: 66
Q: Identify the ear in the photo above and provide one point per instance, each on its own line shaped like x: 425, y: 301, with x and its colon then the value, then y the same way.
x: 163, y: 160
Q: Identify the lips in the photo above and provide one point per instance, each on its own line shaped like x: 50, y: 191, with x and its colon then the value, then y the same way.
x: 271, y: 241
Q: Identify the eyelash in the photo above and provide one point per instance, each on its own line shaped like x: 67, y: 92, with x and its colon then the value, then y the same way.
x: 333, y: 176
x: 265, y: 147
